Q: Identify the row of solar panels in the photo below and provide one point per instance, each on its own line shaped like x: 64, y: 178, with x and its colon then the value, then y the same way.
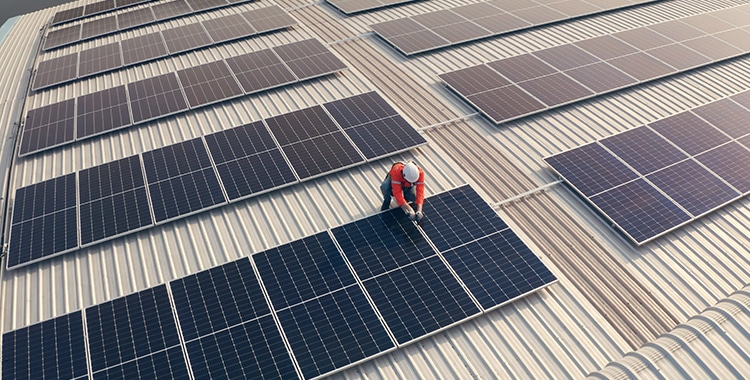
x: 149, y: 47
x: 129, y: 20
x: 167, y: 183
x: 93, y: 9
x: 429, y: 31
x: 655, y: 178
x: 316, y: 305
x: 164, y: 95
x: 523, y: 85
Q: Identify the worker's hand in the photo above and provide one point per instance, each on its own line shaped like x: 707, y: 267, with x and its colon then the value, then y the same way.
x: 411, y: 214
x: 419, y: 215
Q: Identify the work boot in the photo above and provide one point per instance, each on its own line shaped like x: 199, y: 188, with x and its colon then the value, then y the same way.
x: 386, y: 205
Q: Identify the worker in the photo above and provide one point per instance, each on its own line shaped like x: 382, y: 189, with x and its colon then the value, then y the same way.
x: 405, y: 182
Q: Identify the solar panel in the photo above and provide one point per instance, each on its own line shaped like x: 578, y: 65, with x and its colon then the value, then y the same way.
x: 156, y: 97
x: 606, y: 47
x: 167, y: 364
x: 474, y: 80
x: 447, y: 27
x: 565, y: 57
x: 269, y: 18
x: 208, y: 83
x: 102, y: 111
x: 642, y: 66
x: 187, y: 37
x: 693, y: 187
x: 350, y: 7
x: 113, y: 200
x: 98, y: 27
x: 248, y: 160
x: 171, y: 9
x: 99, y: 7
x: 322, y: 154
x: 199, y: 5
x: 522, y: 67
x: 601, y: 77
x: 506, y: 103
x: 260, y: 70
x: 301, y: 125
x: 181, y: 179
x: 48, y: 126
x: 643, y: 150
x: 498, y: 268
x: 729, y: 163
x: 44, y: 220
x: 556, y: 89
x: 136, y: 17
x: 726, y: 115
x: 125, y: 3
x: 228, y: 28
x: 643, y: 38
x: 131, y: 327
x: 56, y: 70
x: 100, y: 59
x: 53, y: 349
x: 63, y: 36
x: 67, y: 15
x: 143, y: 48
x: 309, y: 58
x: 689, y: 133
x: 591, y: 169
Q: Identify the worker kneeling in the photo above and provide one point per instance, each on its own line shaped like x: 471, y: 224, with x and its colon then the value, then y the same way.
x: 405, y: 182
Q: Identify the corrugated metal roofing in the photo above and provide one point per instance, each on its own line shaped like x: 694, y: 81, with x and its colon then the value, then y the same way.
x: 675, y: 301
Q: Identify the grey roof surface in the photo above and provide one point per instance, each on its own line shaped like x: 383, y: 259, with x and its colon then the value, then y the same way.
x: 676, y: 307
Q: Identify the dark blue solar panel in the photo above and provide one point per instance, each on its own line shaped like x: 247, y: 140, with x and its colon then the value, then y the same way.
x: 690, y: 133
x: 53, y: 349
x: 730, y: 163
x: 130, y: 327
x: 218, y: 298
x: 302, y: 270
x: 381, y: 243
x: 333, y: 330
x: 640, y: 210
x: 642, y: 149
x: 498, y: 268
x: 419, y: 299
x: 254, y: 174
x: 457, y: 217
x: 44, y: 198
x: 168, y: 364
x: 693, y: 187
x: 726, y: 115
x: 322, y: 154
x: 252, y: 350
x: 384, y: 137
x: 181, y: 179
x: 239, y: 142
x: 591, y: 169
x: 360, y: 109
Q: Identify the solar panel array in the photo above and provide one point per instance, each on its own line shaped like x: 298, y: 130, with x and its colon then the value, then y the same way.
x: 168, y: 94
x: 316, y: 305
x: 523, y: 85
x: 434, y: 30
x: 161, y: 185
x: 149, y: 47
x: 655, y: 178
x: 93, y: 9
x: 355, y: 6
x: 128, y: 20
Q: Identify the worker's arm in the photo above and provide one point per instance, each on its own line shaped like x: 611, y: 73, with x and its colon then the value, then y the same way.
x: 420, y: 191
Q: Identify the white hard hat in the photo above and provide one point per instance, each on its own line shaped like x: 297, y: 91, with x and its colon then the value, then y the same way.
x: 411, y: 172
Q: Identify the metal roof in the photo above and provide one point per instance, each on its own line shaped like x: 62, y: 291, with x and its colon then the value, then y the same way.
x: 675, y: 307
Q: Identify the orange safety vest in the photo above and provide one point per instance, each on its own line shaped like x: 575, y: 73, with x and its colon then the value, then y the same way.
x: 399, y: 184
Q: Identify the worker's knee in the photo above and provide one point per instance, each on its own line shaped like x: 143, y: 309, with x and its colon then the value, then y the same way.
x: 385, y: 187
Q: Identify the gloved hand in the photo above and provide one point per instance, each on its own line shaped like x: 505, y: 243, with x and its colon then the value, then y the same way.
x: 418, y: 215
x: 410, y: 213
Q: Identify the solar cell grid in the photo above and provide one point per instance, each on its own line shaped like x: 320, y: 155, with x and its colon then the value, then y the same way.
x: 53, y: 349
x: 739, y: 38
x: 522, y: 67
x: 359, y: 109
x: 474, y: 80
x: 419, y: 299
x: 218, y: 298
x: 208, y: 83
x: 260, y: 70
x: 199, y: 5
x: 606, y: 47
x: 689, y: 133
x: 288, y: 275
x: 48, y: 126
x: 498, y: 268
x: 301, y: 125
x: 384, y: 136
x: 333, y: 331
x: 643, y: 38
x: 640, y: 210
x: 142, y: 48
x: 322, y: 154
x: 239, y: 142
x: 601, y: 77
x: 707, y: 23
x: 125, y: 3
x: 676, y: 30
x: 155, y: 97
x: 556, y: 89
x: 418, y: 42
x: 167, y: 364
x: 100, y: 59
x: 309, y: 58
x: 398, y: 27
x: 56, y: 70
x: 356, y: 6
x: 591, y: 169
x: 130, y: 327
x: 506, y: 103
x: 228, y: 28
x: 729, y: 163
x: 513, y: 5
x: 171, y: 9
x: 726, y: 115
x: 540, y: 15
x: 186, y: 37
x: 98, y: 27
x: 566, y: 57
x: 574, y: 8
x: 461, y: 32
x: 63, y: 36
x: 478, y: 10
x: 643, y: 150
x: 679, y: 56
x: 66, y: 15
x: 269, y: 18
x: 502, y: 23
x: 712, y: 47
x: 99, y: 7
x: 135, y: 17
x: 693, y: 187
x: 175, y: 160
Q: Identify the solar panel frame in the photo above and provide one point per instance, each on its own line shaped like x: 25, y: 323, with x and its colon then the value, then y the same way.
x: 48, y: 126
x: 64, y: 16
x: 54, y: 71
x: 98, y: 7
x: 169, y: 363
x: 98, y: 27
x: 102, y: 111
x: 61, y: 37
x: 100, y: 59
